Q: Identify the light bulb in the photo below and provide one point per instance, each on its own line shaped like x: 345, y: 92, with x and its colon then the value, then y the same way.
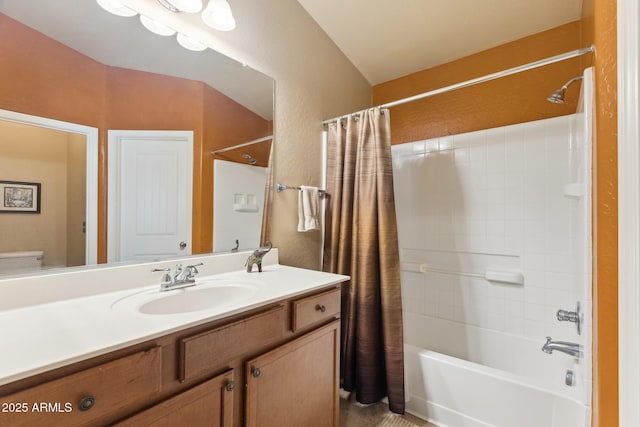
x: 218, y: 15
x: 117, y: 8
x: 190, y: 43
x: 156, y: 27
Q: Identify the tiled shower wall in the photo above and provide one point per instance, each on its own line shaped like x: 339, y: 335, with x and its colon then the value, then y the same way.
x: 514, y: 198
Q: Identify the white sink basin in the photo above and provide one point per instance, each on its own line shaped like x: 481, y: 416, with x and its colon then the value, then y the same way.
x: 205, y: 295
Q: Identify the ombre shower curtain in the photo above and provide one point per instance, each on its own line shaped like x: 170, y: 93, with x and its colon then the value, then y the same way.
x: 361, y: 241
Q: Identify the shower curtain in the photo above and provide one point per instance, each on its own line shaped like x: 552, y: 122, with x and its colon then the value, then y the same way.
x: 361, y: 241
x: 265, y: 234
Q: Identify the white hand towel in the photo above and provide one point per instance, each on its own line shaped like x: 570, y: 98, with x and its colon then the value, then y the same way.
x: 308, y: 202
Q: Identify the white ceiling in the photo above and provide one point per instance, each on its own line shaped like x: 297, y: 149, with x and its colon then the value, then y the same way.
x: 387, y: 39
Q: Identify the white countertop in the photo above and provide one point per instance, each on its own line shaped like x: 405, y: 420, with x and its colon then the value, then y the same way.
x: 42, y: 337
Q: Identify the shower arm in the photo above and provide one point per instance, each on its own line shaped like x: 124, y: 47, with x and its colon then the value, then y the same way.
x: 567, y: 84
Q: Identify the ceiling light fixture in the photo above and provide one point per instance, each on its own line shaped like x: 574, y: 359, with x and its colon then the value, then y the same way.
x: 177, y: 6
x: 117, y: 8
x: 156, y: 27
x: 190, y: 43
x: 218, y: 15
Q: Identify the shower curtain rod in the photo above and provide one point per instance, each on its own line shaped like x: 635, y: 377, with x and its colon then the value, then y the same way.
x: 255, y: 141
x: 488, y: 77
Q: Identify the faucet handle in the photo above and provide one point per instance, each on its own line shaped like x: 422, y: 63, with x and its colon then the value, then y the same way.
x: 187, y: 273
x: 193, y: 268
x: 166, y: 277
x: 571, y: 316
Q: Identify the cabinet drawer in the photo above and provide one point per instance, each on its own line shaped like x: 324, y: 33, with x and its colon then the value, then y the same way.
x: 316, y: 308
x: 87, y: 397
x: 209, y: 350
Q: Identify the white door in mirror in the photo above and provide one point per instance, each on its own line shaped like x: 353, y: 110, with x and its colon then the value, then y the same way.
x: 153, y: 195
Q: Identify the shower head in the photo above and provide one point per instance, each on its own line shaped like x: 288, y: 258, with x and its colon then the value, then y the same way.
x: 252, y: 161
x: 557, y: 97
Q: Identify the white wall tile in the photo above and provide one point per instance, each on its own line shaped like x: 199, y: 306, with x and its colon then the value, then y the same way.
x: 499, y: 191
x: 445, y: 143
x: 413, y: 292
x: 417, y: 147
x: 534, y: 328
x: 431, y: 145
x: 461, y: 155
x: 534, y: 296
x: 514, y: 325
x: 535, y: 155
x: 496, y: 158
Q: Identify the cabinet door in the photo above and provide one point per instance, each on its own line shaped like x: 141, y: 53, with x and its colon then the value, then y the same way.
x: 207, y: 404
x: 297, y: 383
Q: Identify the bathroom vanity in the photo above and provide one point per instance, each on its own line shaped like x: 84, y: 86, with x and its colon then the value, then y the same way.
x: 271, y: 359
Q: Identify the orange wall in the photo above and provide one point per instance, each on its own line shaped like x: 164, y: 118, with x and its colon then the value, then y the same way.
x: 521, y: 98
x: 605, y: 315
x: 514, y: 99
x: 42, y: 77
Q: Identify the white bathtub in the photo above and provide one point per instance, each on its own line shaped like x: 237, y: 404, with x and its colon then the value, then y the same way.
x: 452, y: 392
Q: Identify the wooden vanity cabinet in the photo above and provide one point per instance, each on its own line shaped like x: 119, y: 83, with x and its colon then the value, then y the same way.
x: 204, y: 375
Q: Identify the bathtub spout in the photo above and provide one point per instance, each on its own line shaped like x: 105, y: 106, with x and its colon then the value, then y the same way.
x: 569, y: 348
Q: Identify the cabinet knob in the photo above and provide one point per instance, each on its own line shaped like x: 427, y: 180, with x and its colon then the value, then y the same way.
x: 86, y: 403
x: 255, y: 372
x: 230, y: 386
x: 321, y: 308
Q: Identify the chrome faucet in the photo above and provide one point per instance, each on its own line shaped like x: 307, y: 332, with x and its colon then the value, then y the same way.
x: 569, y: 348
x: 183, y: 277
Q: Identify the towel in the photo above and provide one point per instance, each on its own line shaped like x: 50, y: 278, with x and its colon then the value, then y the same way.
x: 308, y: 202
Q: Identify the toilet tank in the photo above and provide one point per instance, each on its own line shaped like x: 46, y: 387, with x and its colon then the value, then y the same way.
x: 15, y: 262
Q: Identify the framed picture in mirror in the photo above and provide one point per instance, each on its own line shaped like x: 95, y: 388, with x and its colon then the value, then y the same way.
x: 20, y: 197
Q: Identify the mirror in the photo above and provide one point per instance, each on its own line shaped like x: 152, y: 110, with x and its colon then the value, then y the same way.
x: 74, y: 62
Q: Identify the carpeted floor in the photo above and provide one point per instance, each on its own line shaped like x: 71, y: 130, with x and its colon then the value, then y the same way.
x: 354, y: 414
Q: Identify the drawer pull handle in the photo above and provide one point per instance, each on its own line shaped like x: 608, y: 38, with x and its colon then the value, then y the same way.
x: 255, y: 372
x: 321, y: 308
x: 230, y: 386
x: 86, y: 403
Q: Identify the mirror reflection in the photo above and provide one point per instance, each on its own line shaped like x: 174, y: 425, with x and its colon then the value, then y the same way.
x: 73, y: 62
x: 55, y: 161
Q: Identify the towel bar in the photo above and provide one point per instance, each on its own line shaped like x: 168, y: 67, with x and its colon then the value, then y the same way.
x: 281, y: 187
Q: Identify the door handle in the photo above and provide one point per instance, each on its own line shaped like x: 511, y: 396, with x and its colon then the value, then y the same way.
x: 183, y: 245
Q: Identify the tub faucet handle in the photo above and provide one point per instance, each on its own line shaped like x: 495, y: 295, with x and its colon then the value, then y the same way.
x: 571, y: 316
